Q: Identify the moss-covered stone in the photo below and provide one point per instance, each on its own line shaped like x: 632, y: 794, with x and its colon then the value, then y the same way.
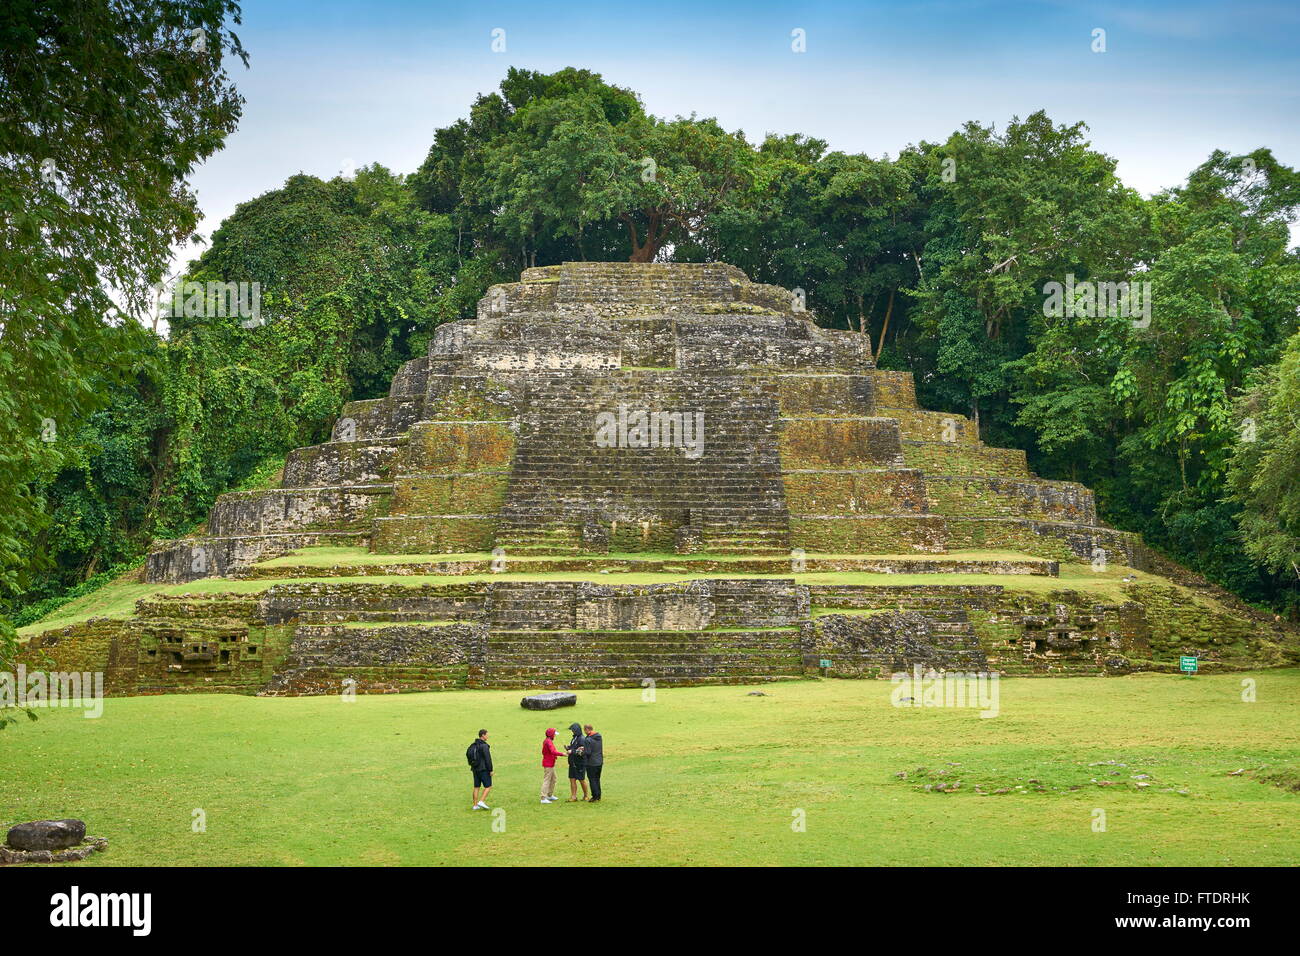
x: 459, y: 446
x: 434, y: 534
x: 858, y: 442
x: 879, y: 492
x: 466, y: 493
x: 869, y: 534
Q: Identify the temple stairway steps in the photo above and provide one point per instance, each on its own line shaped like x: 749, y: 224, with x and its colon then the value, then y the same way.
x: 726, y: 492
x: 663, y: 657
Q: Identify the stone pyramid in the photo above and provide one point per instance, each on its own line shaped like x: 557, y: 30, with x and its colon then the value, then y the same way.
x: 491, y: 441
x: 675, y: 420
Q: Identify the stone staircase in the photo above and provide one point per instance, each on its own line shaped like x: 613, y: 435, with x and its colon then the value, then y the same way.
x: 575, y: 634
x: 531, y: 658
x: 722, y: 495
x: 604, y: 287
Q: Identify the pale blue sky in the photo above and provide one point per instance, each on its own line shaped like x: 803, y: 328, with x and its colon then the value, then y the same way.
x: 331, y: 83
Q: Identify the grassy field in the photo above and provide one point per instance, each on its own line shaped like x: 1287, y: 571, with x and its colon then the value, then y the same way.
x: 324, y: 556
x: 699, y: 776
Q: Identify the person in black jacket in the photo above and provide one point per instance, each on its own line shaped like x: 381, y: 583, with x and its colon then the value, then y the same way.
x: 593, y: 752
x: 479, y: 756
x: 577, y: 763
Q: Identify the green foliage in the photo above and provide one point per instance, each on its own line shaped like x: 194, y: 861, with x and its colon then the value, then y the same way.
x: 566, y: 166
x: 1015, y: 210
x: 106, y: 108
x: 1264, y: 471
x: 350, y: 274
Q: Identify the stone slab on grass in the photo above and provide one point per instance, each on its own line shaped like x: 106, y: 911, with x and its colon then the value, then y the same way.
x: 46, y: 835
x: 549, y: 701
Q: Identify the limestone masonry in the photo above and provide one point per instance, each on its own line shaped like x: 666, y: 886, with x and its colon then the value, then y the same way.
x: 669, y: 418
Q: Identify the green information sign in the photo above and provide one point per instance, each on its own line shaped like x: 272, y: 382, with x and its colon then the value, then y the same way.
x: 825, y: 663
x: 1187, y: 665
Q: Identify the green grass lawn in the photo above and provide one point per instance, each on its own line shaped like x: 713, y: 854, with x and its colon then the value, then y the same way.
x: 330, y: 555
x: 699, y: 776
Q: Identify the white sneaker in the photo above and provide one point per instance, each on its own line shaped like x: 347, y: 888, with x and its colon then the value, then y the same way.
x: 481, y: 806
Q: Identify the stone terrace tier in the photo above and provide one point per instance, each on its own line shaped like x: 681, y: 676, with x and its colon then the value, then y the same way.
x: 598, y: 407
x: 323, y: 637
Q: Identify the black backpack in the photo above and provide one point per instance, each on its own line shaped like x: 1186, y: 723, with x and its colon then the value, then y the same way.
x: 471, y: 754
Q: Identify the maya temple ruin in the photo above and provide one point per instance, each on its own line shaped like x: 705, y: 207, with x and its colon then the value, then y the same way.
x: 624, y: 472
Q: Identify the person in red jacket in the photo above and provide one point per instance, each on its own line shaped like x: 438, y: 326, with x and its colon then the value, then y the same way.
x: 549, y: 755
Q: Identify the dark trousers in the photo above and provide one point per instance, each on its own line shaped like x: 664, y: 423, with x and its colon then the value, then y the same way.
x: 593, y: 775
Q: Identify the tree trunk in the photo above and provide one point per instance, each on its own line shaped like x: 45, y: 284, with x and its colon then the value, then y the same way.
x: 885, y: 325
x: 644, y: 252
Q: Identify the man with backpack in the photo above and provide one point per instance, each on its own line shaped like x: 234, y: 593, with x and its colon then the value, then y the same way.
x: 593, y: 752
x: 479, y: 756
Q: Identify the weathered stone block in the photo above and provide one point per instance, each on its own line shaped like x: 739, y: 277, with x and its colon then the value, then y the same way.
x: 283, y: 510
x: 950, y: 458
x: 549, y: 701
x: 681, y: 607
x: 893, y: 389
x: 469, y: 493
x: 869, y: 534
x: 825, y: 394
x: 459, y: 446
x: 46, y: 835
x: 877, y: 492
x: 858, y: 442
x: 434, y: 534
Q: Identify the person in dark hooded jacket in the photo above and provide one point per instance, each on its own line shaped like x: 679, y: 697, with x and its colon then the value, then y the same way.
x: 593, y: 752
x: 577, y: 763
